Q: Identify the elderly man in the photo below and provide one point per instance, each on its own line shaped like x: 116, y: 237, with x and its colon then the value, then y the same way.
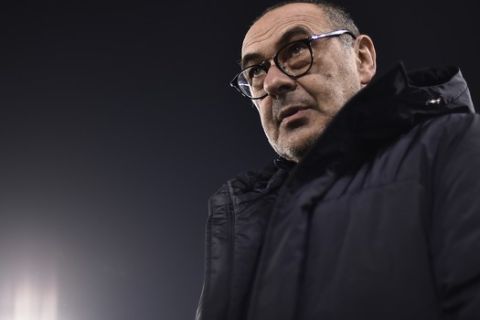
x: 371, y: 210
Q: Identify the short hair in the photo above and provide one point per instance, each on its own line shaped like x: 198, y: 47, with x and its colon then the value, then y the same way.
x: 337, y: 16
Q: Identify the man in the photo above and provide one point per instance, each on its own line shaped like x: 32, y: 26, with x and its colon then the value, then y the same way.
x: 371, y: 210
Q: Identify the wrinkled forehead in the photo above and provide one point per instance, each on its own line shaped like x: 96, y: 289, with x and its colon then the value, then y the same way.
x: 267, y: 31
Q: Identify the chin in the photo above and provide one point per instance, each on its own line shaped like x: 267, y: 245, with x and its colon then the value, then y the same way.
x: 298, y: 146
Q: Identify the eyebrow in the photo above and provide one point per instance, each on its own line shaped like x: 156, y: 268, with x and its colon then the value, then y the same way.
x: 285, y: 38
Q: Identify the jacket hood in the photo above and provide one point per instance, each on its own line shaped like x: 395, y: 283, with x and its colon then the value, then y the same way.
x: 380, y: 113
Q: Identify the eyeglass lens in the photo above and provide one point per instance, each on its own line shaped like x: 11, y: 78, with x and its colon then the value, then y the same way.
x: 293, y: 59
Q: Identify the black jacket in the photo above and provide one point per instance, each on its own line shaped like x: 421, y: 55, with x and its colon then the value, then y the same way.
x: 381, y: 220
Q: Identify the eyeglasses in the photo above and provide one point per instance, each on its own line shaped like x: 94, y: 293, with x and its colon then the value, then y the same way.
x: 294, y: 59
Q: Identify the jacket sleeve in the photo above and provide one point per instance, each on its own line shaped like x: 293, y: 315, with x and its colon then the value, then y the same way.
x: 455, y: 224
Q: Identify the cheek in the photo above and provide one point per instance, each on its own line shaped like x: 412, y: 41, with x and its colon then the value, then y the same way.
x: 333, y: 85
x: 334, y: 64
x: 267, y: 121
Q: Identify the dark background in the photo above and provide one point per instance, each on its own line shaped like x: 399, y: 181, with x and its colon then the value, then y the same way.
x: 117, y: 123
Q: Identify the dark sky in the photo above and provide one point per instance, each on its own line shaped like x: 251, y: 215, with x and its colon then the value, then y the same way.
x: 117, y: 123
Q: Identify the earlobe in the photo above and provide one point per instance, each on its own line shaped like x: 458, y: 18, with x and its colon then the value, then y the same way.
x: 366, y: 58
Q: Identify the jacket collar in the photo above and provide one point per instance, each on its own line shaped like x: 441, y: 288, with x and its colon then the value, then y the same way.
x: 389, y: 106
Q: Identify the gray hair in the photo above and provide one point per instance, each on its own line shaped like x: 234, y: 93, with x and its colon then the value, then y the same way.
x: 337, y: 16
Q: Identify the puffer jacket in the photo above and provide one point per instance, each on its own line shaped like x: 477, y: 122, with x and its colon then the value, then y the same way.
x: 381, y: 220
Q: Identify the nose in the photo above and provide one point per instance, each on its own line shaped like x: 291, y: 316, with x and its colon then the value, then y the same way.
x: 277, y: 83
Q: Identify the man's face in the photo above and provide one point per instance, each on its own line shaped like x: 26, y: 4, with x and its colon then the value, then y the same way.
x: 296, y: 111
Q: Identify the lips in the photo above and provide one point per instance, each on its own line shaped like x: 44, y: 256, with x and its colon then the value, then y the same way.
x: 289, y: 111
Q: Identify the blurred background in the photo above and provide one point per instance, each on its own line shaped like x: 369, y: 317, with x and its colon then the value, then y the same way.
x: 117, y: 123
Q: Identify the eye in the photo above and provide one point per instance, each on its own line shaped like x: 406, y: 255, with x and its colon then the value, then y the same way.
x: 294, y: 50
x: 255, y: 71
x: 295, y: 57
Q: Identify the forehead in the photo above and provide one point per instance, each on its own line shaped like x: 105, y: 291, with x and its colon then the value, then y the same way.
x: 265, y: 33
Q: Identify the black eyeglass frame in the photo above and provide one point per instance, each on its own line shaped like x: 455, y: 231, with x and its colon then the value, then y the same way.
x: 265, y: 65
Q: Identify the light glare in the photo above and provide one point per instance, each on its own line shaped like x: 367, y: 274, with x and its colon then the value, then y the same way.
x: 34, y: 302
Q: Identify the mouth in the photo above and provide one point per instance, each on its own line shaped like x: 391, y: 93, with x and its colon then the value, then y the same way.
x: 290, y: 113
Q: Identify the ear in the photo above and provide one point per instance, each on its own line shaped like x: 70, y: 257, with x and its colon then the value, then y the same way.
x: 366, y: 58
